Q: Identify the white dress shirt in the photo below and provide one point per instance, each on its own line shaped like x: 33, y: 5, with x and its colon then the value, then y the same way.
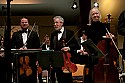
x: 60, y: 34
x: 47, y: 47
x: 81, y: 47
x: 24, y: 36
x: 82, y: 42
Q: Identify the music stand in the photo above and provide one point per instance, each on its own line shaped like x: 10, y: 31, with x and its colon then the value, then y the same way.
x: 49, y: 59
x: 16, y: 53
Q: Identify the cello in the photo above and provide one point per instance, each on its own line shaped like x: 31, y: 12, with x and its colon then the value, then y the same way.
x: 106, y: 70
x: 69, y: 66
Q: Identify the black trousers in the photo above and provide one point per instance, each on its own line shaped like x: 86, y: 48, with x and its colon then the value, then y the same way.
x: 2, y: 70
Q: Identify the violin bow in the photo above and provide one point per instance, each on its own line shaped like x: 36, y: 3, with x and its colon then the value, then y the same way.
x: 120, y: 58
x: 43, y: 40
x: 73, y: 35
x: 29, y: 34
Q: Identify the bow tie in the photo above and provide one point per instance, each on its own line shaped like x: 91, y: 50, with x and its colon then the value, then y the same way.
x: 59, y: 32
x: 24, y: 31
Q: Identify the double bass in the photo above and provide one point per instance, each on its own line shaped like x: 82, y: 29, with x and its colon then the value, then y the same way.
x: 106, y: 70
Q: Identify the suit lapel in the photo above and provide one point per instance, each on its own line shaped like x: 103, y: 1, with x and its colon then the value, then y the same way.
x: 79, y: 42
x: 20, y: 37
x: 63, y: 35
x: 29, y: 35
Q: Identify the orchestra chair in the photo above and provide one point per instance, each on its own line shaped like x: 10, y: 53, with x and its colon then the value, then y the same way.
x: 45, y: 76
x: 78, y: 76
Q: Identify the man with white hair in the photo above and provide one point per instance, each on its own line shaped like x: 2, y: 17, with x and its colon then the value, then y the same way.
x: 58, y: 38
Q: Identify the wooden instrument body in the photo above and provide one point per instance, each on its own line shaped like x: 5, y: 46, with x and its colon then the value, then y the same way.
x: 26, y: 61
x: 25, y: 68
x: 106, y: 71
x: 68, y: 65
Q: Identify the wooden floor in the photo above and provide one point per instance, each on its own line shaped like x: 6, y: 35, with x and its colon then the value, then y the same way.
x: 78, y: 79
x: 75, y: 80
x: 77, y: 76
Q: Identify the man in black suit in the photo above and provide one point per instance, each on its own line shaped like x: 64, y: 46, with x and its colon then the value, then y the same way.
x: 45, y: 45
x: 62, y: 40
x: 23, y: 40
x: 87, y: 54
x: 82, y: 55
x: 121, y: 29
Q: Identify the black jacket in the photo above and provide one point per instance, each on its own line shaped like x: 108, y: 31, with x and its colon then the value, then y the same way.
x: 33, y: 41
x: 121, y: 26
x: 95, y: 31
x: 68, y: 37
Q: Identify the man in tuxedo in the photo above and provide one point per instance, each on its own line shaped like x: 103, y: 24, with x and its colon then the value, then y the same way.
x: 62, y: 40
x: 45, y: 45
x: 88, y: 54
x: 82, y: 55
x: 23, y: 40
